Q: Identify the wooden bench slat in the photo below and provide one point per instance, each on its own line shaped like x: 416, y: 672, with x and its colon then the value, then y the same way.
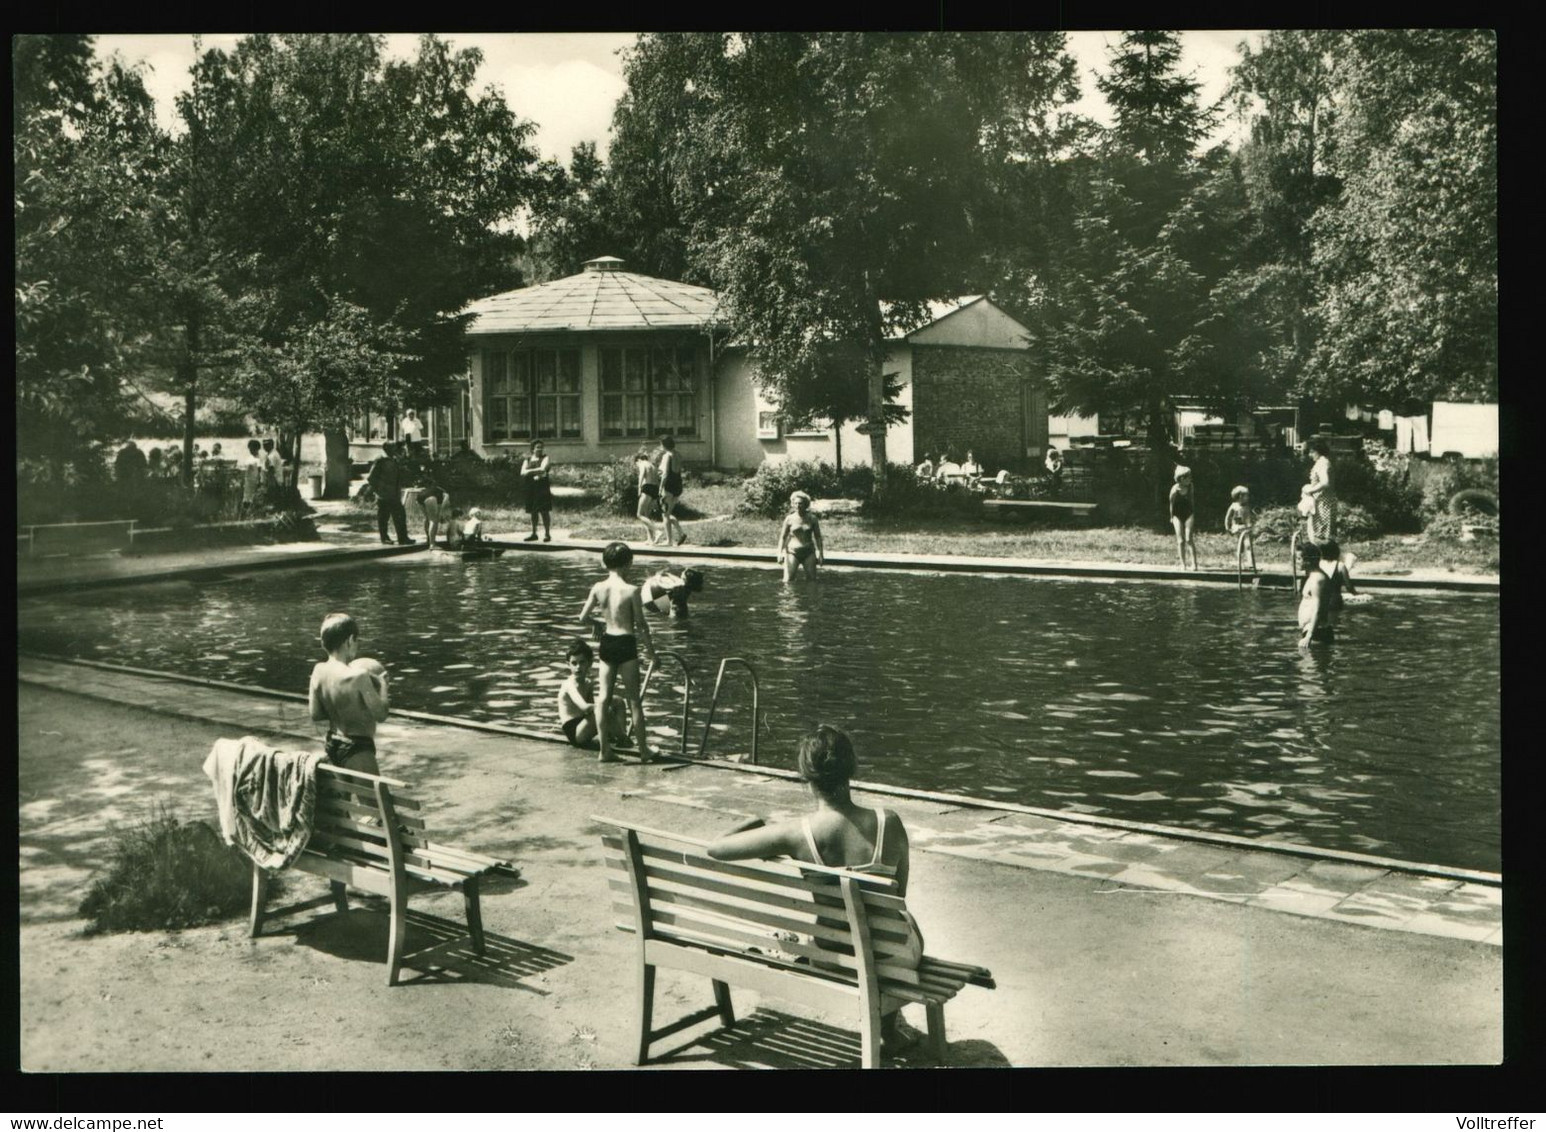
x: 340, y: 805
x: 889, y: 921
x: 360, y: 793
x: 775, y: 874
x: 441, y: 871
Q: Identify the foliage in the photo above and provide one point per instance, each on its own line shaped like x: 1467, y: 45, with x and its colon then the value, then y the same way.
x: 907, y: 495
x: 767, y: 492
x: 821, y: 174
x: 85, y: 149
x: 1354, y: 524
x: 1407, y: 258
x: 164, y: 875
x: 1443, y: 478
x: 359, y: 206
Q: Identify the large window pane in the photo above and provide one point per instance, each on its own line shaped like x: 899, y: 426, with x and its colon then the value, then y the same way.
x: 611, y: 371
x: 636, y: 366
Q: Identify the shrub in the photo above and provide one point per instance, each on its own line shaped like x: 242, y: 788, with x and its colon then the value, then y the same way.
x: 907, y: 495
x: 1277, y: 524
x: 1441, y: 480
x: 166, y: 875
x: 619, y: 485
x: 767, y: 493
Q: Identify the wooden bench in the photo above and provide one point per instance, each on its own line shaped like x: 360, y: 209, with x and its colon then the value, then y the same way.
x: 79, y: 538
x: 359, y: 837
x: 1081, y: 511
x: 689, y: 912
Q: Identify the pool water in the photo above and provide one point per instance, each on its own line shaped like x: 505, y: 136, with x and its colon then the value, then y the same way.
x: 1176, y: 704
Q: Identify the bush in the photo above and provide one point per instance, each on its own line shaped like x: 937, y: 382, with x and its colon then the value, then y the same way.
x: 1277, y: 524
x: 767, y: 493
x: 618, y: 481
x: 165, y: 875
x: 1441, y: 480
x: 907, y: 495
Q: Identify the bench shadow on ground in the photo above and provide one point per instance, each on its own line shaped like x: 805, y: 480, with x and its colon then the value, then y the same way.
x: 771, y: 1039
x: 438, y: 949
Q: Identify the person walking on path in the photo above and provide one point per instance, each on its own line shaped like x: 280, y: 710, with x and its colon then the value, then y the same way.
x: 1321, y: 516
x: 386, y: 480
x: 252, y: 478
x: 535, y: 471
x: 649, y: 492
x: 670, y: 489
x: 1181, y: 514
x: 799, y: 539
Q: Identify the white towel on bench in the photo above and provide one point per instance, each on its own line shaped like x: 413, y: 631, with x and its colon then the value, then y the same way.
x: 266, y: 798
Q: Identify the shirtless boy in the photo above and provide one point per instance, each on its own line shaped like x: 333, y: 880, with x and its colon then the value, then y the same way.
x: 576, y: 702
x: 349, y: 693
x: 615, y: 602
x: 1315, y: 600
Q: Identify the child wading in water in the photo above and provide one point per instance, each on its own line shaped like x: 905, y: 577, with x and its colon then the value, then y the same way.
x: 1181, y: 514
x: 616, y: 602
x: 576, y: 704
x: 1237, y: 521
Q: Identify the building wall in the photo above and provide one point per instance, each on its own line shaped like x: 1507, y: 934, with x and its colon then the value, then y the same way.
x: 741, y: 406
x: 985, y: 400
x: 590, y: 447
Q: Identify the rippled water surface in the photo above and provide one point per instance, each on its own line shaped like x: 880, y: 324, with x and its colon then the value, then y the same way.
x: 1181, y: 705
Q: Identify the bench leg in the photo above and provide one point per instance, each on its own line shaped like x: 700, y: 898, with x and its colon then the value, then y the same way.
x: 722, y: 1000
x: 869, y: 1034
x: 397, y: 937
x: 646, y: 1010
x: 936, y: 1016
x: 474, y: 914
x: 340, y: 896
x: 259, y: 900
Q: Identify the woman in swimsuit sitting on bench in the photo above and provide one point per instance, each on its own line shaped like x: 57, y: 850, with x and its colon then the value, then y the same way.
x: 837, y: 834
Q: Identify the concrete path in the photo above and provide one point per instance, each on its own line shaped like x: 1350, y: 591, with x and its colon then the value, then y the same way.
x: 1110, y: 948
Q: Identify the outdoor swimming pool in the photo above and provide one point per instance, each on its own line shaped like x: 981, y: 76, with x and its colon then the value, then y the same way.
x: 1182, y: 705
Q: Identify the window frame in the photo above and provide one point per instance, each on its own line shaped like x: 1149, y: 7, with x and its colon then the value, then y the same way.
x: 642, y: 391
x: 539, y: 392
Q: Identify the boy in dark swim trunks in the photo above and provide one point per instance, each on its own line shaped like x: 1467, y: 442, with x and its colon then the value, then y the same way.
x: 615, y: 602
x: 576, y: 704
x: 349, y: 693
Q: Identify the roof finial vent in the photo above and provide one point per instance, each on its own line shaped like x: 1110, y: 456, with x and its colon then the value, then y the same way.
x: 604, y: 263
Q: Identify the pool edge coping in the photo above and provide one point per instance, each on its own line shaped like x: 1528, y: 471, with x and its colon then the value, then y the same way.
x: 1178, y: 833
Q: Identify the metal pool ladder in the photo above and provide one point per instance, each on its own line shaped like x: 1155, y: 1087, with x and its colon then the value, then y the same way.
x: 719, y: 682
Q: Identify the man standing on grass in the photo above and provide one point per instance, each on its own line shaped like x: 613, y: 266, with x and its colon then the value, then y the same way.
x: 386, y: 480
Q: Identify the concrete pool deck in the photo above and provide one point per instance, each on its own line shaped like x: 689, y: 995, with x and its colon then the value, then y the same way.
x: 1110, y: 947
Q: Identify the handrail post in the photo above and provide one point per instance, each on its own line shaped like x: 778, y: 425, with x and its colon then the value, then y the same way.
x: 686, y: 688
x: 719, y: 680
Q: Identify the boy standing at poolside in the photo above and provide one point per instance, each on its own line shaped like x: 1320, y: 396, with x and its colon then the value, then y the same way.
x: 616, y: 603
x: 349, y: 693
x: 1237, y: 521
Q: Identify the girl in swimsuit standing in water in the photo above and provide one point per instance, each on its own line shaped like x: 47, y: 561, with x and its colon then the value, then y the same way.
x: 799, y: 539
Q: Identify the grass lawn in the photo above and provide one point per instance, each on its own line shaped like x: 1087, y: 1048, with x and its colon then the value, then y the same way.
x: 710, y: 520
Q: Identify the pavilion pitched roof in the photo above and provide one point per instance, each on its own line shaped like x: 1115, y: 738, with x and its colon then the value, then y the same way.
x: 601, y: 297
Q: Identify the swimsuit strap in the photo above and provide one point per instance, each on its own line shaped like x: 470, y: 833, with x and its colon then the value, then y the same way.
x: 880, y: 836
x: 810, y: 839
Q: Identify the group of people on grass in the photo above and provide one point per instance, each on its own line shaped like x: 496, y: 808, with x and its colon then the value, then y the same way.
x: 1317, y: 504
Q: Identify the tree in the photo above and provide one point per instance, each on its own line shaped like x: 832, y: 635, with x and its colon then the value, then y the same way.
x: 359, y: 207
x: 86, y: 159
x: 1406, y: 257
x: 833, y: 183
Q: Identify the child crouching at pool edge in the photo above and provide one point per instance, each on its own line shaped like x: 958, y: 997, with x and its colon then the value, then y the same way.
x: 576, y: 702
x: 616, y: 603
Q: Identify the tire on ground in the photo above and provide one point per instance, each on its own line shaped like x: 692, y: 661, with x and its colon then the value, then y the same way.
x: 1473, y: 499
